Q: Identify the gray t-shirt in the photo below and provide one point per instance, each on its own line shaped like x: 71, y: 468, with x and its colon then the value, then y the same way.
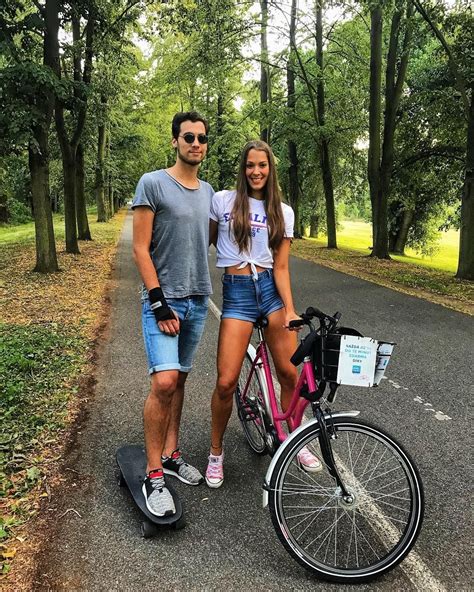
x: 180, y: 239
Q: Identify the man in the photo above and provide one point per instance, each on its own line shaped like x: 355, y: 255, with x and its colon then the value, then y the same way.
x: 170, y: 247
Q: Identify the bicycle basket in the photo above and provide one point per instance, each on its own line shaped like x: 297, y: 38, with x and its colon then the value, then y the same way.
x: 326, y: 353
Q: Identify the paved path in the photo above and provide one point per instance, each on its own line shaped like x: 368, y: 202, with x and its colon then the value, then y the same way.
x: 229, y: 543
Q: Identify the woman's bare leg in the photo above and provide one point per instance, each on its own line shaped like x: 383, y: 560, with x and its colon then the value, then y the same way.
x: 282, y: 344
x: 234, y: 337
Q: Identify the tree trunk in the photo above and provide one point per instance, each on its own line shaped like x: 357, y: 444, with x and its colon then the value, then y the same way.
x: 373, y: 162
x: 219, y: 137
x: 4, y: 213
x: 38, y: 157
x: 402, y: 234
x: 329, y: 195
x: 293, y: 186
x: 68, y: 155
x: 69, y: 176
x: 110, y: 195
x: 393, y: 91
x: 264, y: 74
x: 325, y: 160
x: 83, y: 231
x: 293, y: 183
x: 69, y: 145
x: 100, y: 176
x: 314, y: 226
x: 38, y: 160
x: 466, y: 240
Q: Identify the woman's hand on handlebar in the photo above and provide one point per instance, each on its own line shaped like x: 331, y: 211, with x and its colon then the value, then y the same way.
x: 293, y: 322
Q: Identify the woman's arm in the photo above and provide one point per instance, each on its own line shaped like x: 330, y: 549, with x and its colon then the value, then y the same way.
x: 213, y: 226
x: 281, y: 274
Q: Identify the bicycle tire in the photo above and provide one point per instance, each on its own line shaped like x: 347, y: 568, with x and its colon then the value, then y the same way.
x: 252, y: 421
x: 376, y: 531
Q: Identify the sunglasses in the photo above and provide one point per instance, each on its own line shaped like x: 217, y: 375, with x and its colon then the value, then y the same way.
x: 189, y: 138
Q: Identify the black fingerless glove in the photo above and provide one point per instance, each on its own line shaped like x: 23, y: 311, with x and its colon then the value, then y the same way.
x: 159, y: 306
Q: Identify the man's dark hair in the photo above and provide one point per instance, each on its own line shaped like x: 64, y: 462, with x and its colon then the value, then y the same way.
x: 186, y: 116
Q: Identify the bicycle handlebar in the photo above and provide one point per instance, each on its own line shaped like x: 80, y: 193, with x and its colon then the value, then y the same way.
x: 311, y: 313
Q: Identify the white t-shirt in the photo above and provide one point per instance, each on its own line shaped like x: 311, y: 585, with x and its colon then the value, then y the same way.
x: 260, y: 254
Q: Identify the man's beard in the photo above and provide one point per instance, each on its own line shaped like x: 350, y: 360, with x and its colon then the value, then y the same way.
x: 185, y: 159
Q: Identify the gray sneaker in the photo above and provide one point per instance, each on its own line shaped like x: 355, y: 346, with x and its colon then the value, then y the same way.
x: 159, y: 500
x: 174, y: 465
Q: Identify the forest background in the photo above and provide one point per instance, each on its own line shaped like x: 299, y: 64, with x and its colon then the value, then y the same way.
x: 368, y: 106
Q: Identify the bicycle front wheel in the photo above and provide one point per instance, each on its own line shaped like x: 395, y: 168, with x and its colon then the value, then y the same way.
x: 351, y: 539
x: 251, y: 407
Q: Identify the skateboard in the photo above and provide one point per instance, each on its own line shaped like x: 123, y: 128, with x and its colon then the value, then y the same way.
x: 131, y: 460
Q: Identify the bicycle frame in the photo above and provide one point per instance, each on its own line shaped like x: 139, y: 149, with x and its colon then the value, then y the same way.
x: 295, y: 411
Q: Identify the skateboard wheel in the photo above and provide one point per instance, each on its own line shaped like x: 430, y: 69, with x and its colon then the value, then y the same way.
x: 148, y: 530
x: 179, y: 524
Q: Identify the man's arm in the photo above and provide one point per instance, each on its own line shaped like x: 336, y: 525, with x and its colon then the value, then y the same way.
x: 143, y: 217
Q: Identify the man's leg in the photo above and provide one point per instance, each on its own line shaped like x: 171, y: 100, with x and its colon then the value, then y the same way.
x: 173, y: 462
x: 172, y: 435
x: 157, y: 413
x: 193, y: 319
x: 156, y: 418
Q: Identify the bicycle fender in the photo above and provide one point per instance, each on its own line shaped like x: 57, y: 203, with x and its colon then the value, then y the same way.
x: 287, y: 442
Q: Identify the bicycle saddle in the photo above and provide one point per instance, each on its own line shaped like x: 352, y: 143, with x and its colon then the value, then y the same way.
x: 261, y: 322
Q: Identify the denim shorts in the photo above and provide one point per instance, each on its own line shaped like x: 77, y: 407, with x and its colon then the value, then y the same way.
x: 246, y: 298
x: 167, y: 352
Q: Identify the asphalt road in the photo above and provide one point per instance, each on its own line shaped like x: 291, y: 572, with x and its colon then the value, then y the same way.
x: 229, y: 542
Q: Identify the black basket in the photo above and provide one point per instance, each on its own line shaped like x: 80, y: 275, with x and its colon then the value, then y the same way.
x: 326, y: 353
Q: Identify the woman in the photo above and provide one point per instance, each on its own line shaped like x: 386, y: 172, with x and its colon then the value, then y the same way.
x: 253, y: 230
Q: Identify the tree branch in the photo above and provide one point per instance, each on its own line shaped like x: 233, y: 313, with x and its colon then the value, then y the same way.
x: 39, y: 7
x: 458, y: 78
x: 449, y: 152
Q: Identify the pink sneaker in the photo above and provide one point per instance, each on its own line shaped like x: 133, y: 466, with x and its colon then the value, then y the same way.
x: 308, y: 461
x: 215, y: 471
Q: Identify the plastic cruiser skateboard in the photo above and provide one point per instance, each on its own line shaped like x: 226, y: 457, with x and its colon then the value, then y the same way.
x: 131, y: 460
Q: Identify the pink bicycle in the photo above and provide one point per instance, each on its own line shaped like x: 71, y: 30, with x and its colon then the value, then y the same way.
x: 361, y: 514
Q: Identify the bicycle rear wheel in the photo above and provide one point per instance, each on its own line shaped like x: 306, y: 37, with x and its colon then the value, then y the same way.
x: 251, y: 407
x: 341, y: 540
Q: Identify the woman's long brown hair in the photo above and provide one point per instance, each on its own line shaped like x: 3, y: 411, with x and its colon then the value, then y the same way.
x: 272, y: 196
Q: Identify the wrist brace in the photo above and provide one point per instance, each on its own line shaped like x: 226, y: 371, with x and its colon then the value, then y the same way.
x: 159, y: 306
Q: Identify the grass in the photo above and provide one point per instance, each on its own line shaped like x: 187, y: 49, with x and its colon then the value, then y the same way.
x: 357, y: 236
x: 48, y: 325
x: 428, y: 277
x: 38, y: 364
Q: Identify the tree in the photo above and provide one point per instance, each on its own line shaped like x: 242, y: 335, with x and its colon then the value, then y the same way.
x: 76, y: 99
x: 28, y: 91
x: 325, y: 160
x: 461, y: 64
x: 428, y: 166
x: 293, y: 182
x: 265, y: 80
x: 381, y: 152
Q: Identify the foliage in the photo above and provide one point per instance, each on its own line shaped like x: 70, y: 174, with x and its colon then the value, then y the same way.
x: 37, y: 365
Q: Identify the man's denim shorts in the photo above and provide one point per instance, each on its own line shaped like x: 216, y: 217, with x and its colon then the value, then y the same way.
x: 166, y: 352
x: 246, y: 298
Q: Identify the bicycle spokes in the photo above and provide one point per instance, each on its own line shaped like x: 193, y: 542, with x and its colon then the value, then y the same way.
x: 353, y: 532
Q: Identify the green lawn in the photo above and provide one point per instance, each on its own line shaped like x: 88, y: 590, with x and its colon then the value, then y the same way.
x: 25, y: 233
x: 357, y: 236
x: 17, y: 234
